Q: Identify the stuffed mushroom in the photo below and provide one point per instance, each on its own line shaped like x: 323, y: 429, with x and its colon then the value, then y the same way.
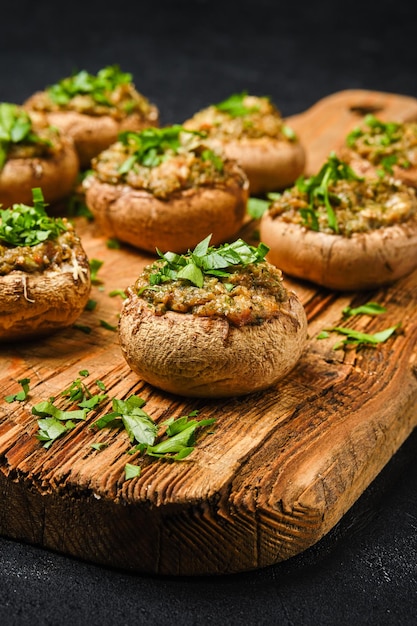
x: 44, y: 272
x: 33, y: 154
x: 214, y: 322
x: 250, y: 129
x: 342, y: 231
x: 379, y: 148
x: 93, y: 109
x: 165, y: 188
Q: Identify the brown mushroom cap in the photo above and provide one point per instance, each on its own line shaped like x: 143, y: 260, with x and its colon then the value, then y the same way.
x: 35, y: 304
x: 137, y: 217
x: 208, y: 357
x: 362, y: 261
x: 56, y: 174
x: 269, y: 163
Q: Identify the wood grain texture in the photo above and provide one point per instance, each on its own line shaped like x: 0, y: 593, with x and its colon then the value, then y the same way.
x: 280, y: 468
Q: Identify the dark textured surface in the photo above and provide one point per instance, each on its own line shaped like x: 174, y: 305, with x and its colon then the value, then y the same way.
x: 184, y: 56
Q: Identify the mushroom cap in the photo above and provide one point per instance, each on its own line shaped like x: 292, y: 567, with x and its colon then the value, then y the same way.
x: 208, y: 357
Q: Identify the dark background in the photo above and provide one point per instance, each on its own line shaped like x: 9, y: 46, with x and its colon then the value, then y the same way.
x: 185, y: 55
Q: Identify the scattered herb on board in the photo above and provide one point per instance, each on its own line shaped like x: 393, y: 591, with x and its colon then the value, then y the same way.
x: 370, y: 308
x: 118, y: 292
x: 358, y: 338
x: 22, y: 395
x: 55, y: 422
x: 175, y: 443
x: 174, y: 440
x: 256, y: 207
x: 95, y: 265
x: 107, y: 326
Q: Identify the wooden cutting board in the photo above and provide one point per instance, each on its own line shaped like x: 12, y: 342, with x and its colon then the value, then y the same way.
x: 278, y: 470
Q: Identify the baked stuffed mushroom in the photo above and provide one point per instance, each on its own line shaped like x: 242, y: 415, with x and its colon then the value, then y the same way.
x: 378, y: 148
x: 214, y: 322
x: 33, y: 154
x: 250, y: 129
x: 164, y: 188
x: 44, y: 272
x: 93, y: 109
x: 343, y: 231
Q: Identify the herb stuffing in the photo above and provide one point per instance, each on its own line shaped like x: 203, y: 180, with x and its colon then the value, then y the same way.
x: 338, y: 201
x: 164, y: 160
x: 242, y: 116
x: 233, y: 281
x: 385, y: 144
x: 109, y: 92
x: 19, y: 138
x: 31, y: 240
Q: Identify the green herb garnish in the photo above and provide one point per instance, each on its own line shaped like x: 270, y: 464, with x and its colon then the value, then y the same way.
x: 206, y: 260
x: 23, y: 225
x: 234, y: 105
x: 15, y: 128
x: 95, y: 265
x: 98, y: 87
x: 150, y: 146
x: 357, y: 338
x: 370, y: 308
x: 317, y: 190
x: 20, y: 396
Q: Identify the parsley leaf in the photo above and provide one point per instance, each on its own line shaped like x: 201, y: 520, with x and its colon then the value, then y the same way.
x: 23, y: 225
x: 150, y: 146
x: 205, y: 259
x: 98, y: 86
x: 370, y: 308
x: 15, y: 127
x: 317, y: 190
x: 357, y: 338
x: 235, y: 107
x: 21, y: 395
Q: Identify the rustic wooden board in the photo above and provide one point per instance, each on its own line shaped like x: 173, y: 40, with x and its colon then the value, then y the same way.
x: 281, y: 467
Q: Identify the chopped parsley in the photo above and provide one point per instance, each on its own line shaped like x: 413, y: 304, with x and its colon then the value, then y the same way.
x: 235, y: 107
x: 22, y: 395
x: 175, y: 443
x: 96, y: 86
x: 150, y: 146
x: 383, y: 143
x: 23, y: 225
x: 317, y: 190
x: 370, y: 308
x: 15, y: 128
x: 205, y: 259
x: 357, y: 338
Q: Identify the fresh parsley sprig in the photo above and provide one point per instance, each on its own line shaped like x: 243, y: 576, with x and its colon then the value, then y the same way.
x: 98, y: 87
x: 23, y: 225
x: 206, y: 260
x: 317, y: 190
